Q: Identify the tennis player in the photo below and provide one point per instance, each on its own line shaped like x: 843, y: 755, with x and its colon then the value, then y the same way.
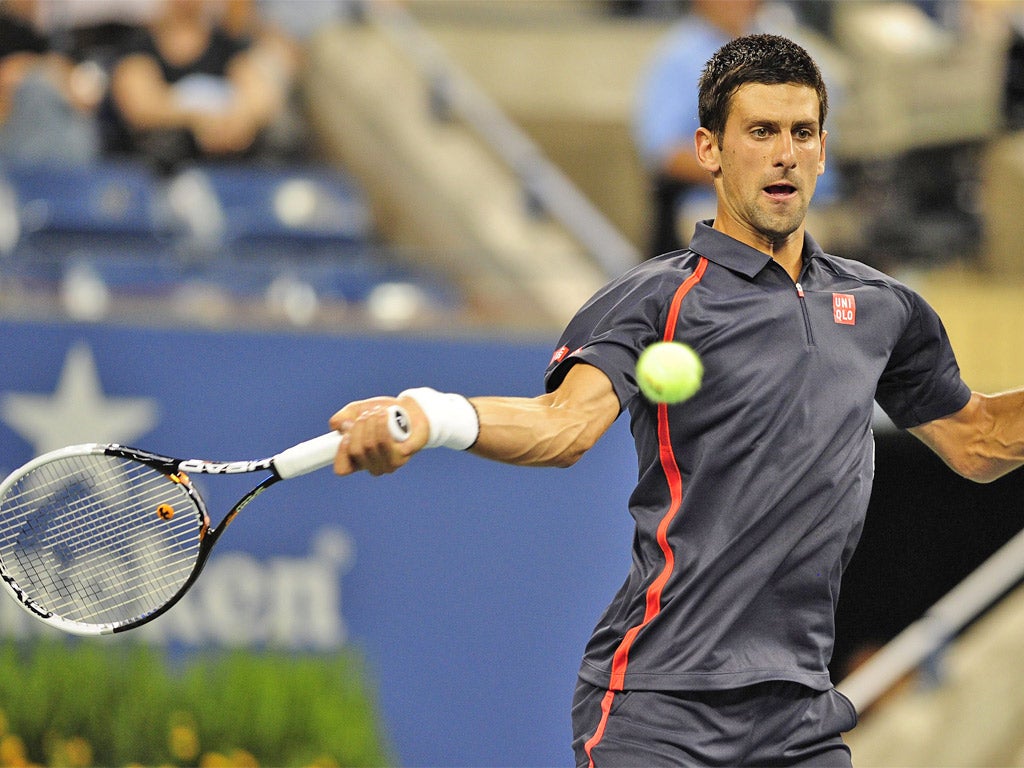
x: 752, y: 494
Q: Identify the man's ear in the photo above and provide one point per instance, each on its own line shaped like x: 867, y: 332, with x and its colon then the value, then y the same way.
x: 706, y: 146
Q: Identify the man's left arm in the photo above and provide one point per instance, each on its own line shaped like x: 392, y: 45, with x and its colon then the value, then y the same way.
x: 982, y: 441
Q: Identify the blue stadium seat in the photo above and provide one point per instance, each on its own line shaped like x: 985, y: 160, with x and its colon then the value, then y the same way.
x: 288, y: 212
x: 109, y: 205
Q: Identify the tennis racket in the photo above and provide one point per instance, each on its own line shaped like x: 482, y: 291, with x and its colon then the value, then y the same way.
x: 97, y: 539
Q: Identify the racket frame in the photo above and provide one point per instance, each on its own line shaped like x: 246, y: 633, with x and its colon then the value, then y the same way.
x: 297, y: 460
x: 174, y: 469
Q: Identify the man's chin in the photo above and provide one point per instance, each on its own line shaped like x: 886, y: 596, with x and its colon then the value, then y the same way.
x: 778, y: 229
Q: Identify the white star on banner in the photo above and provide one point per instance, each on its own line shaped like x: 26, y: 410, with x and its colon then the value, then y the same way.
x: 77, y: 411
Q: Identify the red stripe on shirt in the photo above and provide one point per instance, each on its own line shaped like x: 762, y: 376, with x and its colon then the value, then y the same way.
x: 674, y: 478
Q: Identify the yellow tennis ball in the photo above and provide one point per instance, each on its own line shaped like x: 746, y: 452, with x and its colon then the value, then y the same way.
x: 669, y: 372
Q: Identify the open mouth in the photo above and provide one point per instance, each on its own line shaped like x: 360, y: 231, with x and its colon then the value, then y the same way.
x: 780, y: 190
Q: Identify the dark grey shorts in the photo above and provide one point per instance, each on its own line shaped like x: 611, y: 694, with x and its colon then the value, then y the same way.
x: 769, y: 724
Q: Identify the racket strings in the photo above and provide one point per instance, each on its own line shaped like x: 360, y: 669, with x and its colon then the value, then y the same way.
x: 83, y: 537
x: 90, y: 573
x: 64, y: 562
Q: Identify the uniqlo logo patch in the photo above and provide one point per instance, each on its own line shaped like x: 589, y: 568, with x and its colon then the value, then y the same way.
x: 844, y: 309
x: 559, y: 356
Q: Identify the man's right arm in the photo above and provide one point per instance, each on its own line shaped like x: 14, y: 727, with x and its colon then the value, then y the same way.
x: 551, y: 430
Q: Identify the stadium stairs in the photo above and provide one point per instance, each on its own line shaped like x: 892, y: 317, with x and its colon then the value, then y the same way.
x: 451, y: 179
x: 963, y: 708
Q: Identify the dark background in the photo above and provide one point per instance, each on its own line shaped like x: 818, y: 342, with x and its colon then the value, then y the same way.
x: 927, y: 529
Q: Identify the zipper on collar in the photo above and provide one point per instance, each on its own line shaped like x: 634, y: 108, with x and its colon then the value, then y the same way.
x: 807, y: 317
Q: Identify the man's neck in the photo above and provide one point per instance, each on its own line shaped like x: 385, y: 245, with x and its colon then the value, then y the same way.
x: 789, y: 258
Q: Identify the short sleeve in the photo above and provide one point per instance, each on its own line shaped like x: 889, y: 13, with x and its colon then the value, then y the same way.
x: 921, y: 381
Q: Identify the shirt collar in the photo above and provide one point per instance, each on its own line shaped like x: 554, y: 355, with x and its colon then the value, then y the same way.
x: 732, y: 254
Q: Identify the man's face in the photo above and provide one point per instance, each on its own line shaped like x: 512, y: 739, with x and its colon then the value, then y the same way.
x: 772, y: 152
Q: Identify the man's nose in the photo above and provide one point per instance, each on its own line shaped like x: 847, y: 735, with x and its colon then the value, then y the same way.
x: 785, y: 154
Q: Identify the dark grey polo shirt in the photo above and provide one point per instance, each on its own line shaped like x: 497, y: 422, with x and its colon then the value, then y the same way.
x: 751, y: 495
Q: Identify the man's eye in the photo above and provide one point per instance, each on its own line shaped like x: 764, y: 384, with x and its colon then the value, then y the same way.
x: 760, y: 133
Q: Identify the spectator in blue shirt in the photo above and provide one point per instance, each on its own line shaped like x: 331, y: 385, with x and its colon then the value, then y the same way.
x: 666, y: 111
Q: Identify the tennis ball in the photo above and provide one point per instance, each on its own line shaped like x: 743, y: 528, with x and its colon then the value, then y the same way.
x: 669, y: 372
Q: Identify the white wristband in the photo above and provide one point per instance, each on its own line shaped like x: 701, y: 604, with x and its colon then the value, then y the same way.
x: 453, y: 420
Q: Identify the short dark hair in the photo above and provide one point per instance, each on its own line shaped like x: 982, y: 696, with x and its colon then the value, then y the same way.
x: 766, y: 59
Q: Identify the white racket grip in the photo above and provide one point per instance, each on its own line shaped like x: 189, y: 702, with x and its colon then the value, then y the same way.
x: 319, y: 452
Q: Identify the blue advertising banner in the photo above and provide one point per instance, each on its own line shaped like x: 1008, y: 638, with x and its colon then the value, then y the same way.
x: 469, y: 586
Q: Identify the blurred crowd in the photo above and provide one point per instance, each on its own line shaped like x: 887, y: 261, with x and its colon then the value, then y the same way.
x: 933, y: 181
x: 167, y: 80
x: 175, y: 82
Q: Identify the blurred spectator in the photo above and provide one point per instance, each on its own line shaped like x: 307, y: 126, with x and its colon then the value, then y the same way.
x: 666, y: 112
x: 280, y: 31
x: 666, y: 117
x: 93, y: 30
x: 186, y: 89
x: 48, y: 103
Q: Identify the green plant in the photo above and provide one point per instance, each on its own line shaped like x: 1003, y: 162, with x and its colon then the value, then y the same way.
x: 117, y: 704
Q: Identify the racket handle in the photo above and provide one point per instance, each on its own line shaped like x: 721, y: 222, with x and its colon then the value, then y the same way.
x: 320, y: 451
